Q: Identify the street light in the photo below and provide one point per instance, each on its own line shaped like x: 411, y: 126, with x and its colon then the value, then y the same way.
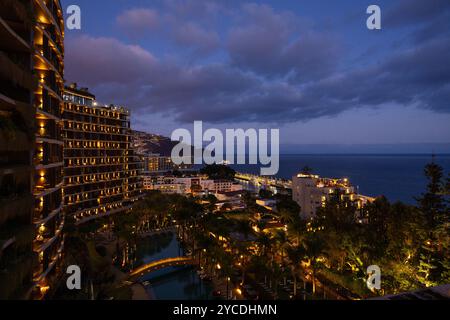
x: 228, y: 281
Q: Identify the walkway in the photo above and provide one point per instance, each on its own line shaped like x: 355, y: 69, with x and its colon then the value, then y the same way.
x: 160, y: 264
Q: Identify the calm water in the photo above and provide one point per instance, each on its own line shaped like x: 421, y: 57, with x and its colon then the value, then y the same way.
x: 398, y: 177
x: 180, y: 283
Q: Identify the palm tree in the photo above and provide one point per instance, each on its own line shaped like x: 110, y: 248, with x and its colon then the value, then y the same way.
x: 294, y: 258
x: 313, y: 250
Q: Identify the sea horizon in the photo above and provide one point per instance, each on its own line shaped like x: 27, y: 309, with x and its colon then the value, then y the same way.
x: 399, y: 177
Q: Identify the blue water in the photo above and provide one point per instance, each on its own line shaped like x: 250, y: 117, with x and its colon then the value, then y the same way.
x: 176, y: 283
x: 398, y: 177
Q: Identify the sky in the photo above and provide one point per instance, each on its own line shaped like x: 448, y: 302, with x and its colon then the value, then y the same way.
x: 310, y: 68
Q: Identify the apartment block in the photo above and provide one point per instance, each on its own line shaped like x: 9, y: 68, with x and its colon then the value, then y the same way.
x: 101, y: 170
x: 17, y: 140
x: 189, y: 184
x: 31, y: 82
x: 312, y: 192
x: 48, y: 156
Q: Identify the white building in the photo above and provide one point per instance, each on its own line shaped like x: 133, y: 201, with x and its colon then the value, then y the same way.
x: 311, y: 192
x: 193, y: 184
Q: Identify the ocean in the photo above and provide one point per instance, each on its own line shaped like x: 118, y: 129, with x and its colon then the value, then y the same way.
x: 398, y: 177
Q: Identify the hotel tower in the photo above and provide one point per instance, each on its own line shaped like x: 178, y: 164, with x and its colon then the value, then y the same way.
x: 31, y: 154
x: 102, y: 174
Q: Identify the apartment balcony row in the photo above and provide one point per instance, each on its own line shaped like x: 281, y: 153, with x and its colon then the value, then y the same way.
x: 92, y: 191
x: 48, y: 32
x: 48, y: 233
x: 100, y: 195
x: 17, y: 117
x: 94, y: 145
x: 50, y: 82
x: 94, y: 137
x: 47, y: 206
x: 95, y: 114
x: 93, y: 128
x: 48, y: 129
x: 94, y: 160
x: 76, y: 205
x: 16, y: 274
x: 49, y: 12
x: 48, y: 180
x: 81, y: 154
x: 16, y: 23
x: 47, y: 154
x: 15, y: 142
x: 15, y: 98
x: 16, y: 68
x: 15, y: 207
x: 95, y: 119
x: 100, y: 171
x: 47, y: 262
x: 110, y: 167
x: 88, y: 181
x: 48, y: 104
x: 86, y: 215
x: 48, y: 59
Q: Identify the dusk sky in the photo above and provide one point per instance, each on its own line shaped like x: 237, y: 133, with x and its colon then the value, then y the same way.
x: 310, y: 68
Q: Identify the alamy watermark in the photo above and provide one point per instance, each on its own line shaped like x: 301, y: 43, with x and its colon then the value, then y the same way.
x: 73, y: 20
x: 236, y: 147
x: 73, y: 281
x: 374, y: 277
x: 374, y: 20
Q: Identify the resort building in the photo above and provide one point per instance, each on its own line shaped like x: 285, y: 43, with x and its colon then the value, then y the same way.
x: 155, y: 163
x: 189, y: 185
x: 312, y: 192
x: 48, y: 157
x: 101, y: 170
x: 17, y: 140
x: 31, y: 156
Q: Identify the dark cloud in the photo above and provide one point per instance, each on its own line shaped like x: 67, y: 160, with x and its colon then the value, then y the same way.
x: 427, y: 20
x: 187, y: 24
x: 192, y: 36
x: 414, y: 12
x: 277, y: 45
x: 276, y: 73
x: 137, y: 22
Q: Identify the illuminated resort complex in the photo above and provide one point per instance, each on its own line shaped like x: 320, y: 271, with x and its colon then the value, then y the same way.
x: 102, y: 172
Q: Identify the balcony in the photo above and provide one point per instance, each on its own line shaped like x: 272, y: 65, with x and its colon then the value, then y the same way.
x: 47, y: 207
x: 48, y: 129
x: 15, y: 207
x: 12, y: 40
x: 50, y: 105
x: 16, y: 274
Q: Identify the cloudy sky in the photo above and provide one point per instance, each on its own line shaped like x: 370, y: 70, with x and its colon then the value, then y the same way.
x: 310, y: 68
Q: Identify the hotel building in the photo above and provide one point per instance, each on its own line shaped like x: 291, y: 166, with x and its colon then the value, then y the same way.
x: 312, y: 192
x: 31, y: 63
x: 101, y: 171
x: 48, y: 156
x: 17, y: 138
x: 190, y: 185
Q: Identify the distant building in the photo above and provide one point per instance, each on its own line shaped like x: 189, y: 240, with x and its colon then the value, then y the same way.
x: 190, y: 184
x: 101, y: 170
x: 312, y: 192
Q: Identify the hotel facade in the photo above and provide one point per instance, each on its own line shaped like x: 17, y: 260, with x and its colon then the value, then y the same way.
x: 48, y: 156
x: 101, y: 170
x: 312, y: 192
x: 31, y: 77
